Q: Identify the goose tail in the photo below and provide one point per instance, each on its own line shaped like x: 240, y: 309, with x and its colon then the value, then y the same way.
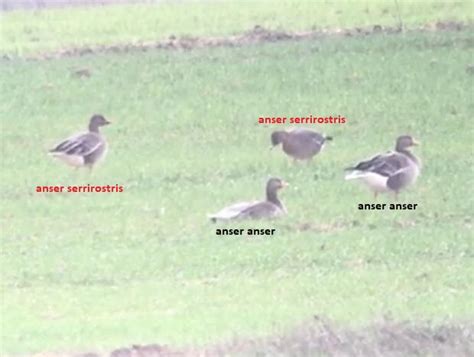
x: 354, y: 175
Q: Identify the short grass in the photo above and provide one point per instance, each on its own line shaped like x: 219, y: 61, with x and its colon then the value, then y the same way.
x: 27, y: 32
x: 96, y: 271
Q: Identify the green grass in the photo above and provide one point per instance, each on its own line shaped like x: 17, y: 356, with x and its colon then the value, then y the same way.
x: 97, y: 271
x: 27, y: 32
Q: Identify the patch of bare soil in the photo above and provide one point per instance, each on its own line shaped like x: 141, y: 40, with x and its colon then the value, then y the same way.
x: 318, y: 337
x: 387, y: 338
x: 257, y: 35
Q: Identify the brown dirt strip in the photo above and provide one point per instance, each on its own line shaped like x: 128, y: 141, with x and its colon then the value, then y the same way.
x: 318, y: 337
x: 257, y: 35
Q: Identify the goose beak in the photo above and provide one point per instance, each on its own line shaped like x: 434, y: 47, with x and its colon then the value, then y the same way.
x: 284, y: 184
x: 416, y: 143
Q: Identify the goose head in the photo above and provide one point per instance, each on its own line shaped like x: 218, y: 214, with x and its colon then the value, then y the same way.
x: 96, y: 121
x: 278, y: 137
x: 404, y: 142
x: 274, y: 184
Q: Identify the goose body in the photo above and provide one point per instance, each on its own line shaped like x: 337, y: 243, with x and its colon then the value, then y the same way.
x: 300, y: 144
x: 270, y: 208
x: 392, y: 171
x: 83, y: 149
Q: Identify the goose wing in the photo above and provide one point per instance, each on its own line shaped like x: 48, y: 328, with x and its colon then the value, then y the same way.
x: 308, y: 135
x: 232, y: 211
x: 263, y: 209
x: 386, y: 165
x: 81, y: 145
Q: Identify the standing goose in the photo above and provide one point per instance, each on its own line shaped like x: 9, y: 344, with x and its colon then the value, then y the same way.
x: 300, y: 144
x: 270, y: 208
x: 391, y: 171
x: 83, y: 149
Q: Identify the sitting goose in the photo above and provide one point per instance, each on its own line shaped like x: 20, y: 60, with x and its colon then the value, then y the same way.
x: 271, y: 207
x: 83, y: 149
x: 300, y: 144
x: 392, y: 171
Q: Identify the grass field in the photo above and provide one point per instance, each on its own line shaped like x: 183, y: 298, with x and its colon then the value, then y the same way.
x: 25, y: 33
x: 96, y: 271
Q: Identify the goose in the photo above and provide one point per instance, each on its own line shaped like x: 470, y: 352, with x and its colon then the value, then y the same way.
x: 300, y: 144
x: 83, y: 149
x: 271, y: 207
x: 389, y: 172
